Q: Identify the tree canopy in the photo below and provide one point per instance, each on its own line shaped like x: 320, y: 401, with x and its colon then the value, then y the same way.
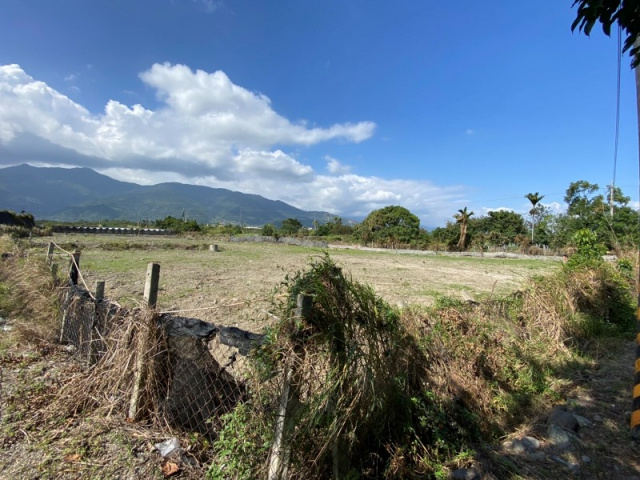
x: 178, y: 224
x: 22, y: 219
x: 625, y: 13
x: 290, y: 226
x: 390, y: 226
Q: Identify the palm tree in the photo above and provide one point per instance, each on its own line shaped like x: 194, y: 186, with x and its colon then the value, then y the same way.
x: 462, y: 217
x: 534, y: 198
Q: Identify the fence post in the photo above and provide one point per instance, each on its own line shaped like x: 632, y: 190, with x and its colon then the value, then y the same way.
x: 54, y: 273
x: 338, y: 448
x: 151, y: 284
x: 99, y: 290
x: 74, y: 266
x: 97, y: 325
x: 288, y: 408
x: 50, y: 253
x: 150, y: 297
x: 67, y: 296
x: 73, y: 280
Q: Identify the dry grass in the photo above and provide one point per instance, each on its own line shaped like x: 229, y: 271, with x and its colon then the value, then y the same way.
x: 28, y: 285
x: 400, y: 394
x: 65, y: 418
x: 421, y: 391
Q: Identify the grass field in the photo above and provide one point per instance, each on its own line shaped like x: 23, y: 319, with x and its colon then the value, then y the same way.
x: 234, y: 286
x: 525, y: 370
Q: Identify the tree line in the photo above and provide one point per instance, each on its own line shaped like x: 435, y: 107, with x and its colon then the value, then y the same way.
x: 609, y: 218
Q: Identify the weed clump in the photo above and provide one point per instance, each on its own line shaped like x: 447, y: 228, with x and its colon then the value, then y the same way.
x: 388, y: 394
x: 28, y: 294
x: 364, y: 403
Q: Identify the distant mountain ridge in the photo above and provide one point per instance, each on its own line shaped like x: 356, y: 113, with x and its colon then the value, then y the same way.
x: 74, y: 194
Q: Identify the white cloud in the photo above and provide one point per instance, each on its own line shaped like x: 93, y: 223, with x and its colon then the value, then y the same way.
x: 210, y: 6
x: 207, y: 131
x: 486, y: 210
x: 334, y: 166
x: 71, y: 77
x: 556, y: 207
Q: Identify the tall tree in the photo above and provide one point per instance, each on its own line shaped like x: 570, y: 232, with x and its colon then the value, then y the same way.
x: 500, y: 227
x: 535, y: 212
x: 462, y: 218
x: 389, y: 226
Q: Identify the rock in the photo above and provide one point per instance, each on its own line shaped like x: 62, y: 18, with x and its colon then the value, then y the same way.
x: 558, y: 436
x: 585, y: 459
x: 563, y: 418
x: 465, y: 474
x: 597, y: 418
x: 583, y: 422
x: 3, y: 321
x: 531, y: 443
x: 559, y: 460
x: 517, y: 447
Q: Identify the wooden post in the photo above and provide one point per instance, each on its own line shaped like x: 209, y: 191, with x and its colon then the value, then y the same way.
x: 287, y: 409
x: 54, y: 273
x: 150, y: 297
x: 99, y: 290
x: 65, y: 313
x: 50, y: 253
x: 338, y: 447
x: 73, y: 268
x: 151, y: 284
x: 98, y: 324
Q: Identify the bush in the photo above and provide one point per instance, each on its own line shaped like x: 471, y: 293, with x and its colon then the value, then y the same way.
x: 268, y: 230
x: 178, y: 225
x: 412, y: 394
x: 366, y: 395
x: 589, y: 251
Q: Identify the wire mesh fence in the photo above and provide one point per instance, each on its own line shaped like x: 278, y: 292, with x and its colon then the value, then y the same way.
x: 188, y: 374
x: 175, y: 370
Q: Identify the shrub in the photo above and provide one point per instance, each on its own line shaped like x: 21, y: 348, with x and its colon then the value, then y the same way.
x: 589, y: 251
x: 268, y: 230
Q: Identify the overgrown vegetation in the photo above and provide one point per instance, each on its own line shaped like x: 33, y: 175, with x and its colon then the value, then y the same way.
x: 178, y: 225
x: 420, y: 392
x: 383, y: 393
x: 26, y: 288
x: 26, y: 220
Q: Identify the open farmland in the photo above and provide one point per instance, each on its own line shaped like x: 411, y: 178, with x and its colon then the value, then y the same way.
x: 235, y: 286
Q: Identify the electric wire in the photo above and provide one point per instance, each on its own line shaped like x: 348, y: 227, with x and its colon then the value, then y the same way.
x: 617, y: 130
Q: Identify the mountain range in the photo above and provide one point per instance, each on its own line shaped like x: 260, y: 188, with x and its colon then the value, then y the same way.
x: 76, y: 194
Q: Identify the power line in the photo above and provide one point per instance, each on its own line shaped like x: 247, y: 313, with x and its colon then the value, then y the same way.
x: 617, y: 134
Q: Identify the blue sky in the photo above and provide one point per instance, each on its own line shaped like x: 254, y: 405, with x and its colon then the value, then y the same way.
x: 336, y: 105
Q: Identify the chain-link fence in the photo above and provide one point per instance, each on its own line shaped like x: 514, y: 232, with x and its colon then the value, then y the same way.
x: 182, y: 371
x: 330, y: 370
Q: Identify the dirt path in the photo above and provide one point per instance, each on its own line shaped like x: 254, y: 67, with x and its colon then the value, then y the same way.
x: 602, y: 448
